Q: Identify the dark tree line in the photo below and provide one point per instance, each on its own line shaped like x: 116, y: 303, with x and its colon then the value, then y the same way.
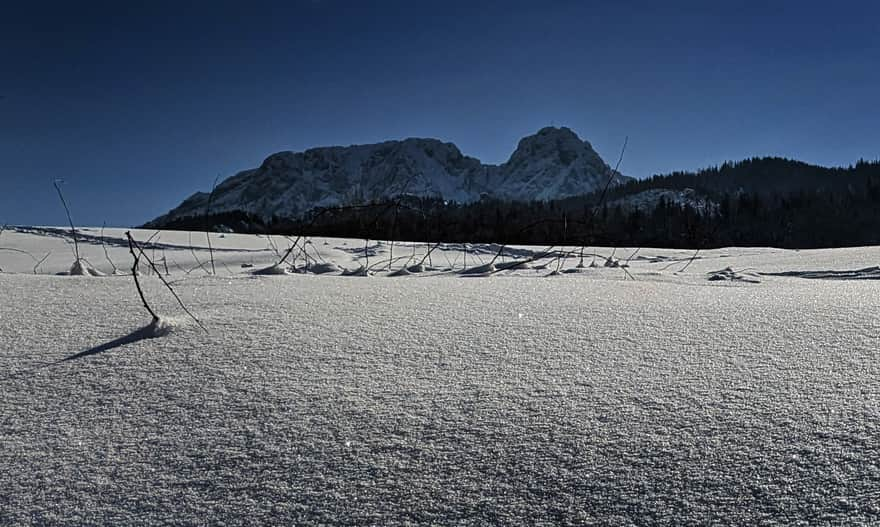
x: 758, y: 202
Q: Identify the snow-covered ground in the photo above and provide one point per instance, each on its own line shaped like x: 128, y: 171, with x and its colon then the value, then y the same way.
x: 742, y: 389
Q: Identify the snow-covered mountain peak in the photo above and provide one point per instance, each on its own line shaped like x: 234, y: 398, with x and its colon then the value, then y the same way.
x: 553, y: 163
x: 550, y: 141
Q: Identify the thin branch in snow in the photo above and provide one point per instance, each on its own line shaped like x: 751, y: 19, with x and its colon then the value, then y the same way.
x: 195, y: 257
x: 289, y: 250
x: 134, y: 273
x: 689, y: 262
x: 141, y: 252
x: 104, y: 246
x: 207, y: 229
x: 43, y: 259
x: 69, y: 219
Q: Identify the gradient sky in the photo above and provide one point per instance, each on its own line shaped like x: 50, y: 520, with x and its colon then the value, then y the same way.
x: 138, y: 106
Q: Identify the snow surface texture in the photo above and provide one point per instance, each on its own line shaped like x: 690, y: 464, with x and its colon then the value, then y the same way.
x: 554, y: 163
x: 583, y: 398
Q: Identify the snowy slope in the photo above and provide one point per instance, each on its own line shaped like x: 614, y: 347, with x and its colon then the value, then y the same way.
x: 647, y: 200
x: 583, y: 398
x: 554, y: 163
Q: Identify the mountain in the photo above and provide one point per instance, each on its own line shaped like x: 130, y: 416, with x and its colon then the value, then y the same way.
x: 552, y: 164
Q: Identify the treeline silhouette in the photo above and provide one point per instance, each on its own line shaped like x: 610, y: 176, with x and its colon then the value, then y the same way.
x: 758, y: 202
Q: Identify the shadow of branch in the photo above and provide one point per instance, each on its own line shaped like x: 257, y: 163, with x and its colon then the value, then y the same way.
x: 149, y: 331
x: 156, y: 328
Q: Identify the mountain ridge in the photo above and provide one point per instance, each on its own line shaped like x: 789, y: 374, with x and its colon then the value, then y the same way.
x: 553, y: 163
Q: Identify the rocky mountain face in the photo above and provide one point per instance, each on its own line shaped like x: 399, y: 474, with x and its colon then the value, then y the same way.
x: 554, y: 163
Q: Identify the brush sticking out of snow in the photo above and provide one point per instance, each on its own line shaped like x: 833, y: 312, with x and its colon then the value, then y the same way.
x: 612, y: 262
x: 83, y: 268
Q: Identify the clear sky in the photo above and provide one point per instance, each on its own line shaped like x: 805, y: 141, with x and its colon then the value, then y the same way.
x: 138, y: 104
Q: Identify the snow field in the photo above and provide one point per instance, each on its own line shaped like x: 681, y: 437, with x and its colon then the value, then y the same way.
x: 578, y: 399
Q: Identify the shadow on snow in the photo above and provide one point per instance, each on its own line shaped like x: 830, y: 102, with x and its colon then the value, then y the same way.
x: 150, y: 331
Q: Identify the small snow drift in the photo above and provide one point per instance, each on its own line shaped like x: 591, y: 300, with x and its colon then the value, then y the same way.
x: 159, y: 327
x: 480, y: 270
x: 272, y: 270
x: 417, y: 268
x: 324, y: 268
x: 403, y: 271
x: 360, y: 271
x: 728, y: 274
x: 83, y: 268
x: 410, y: 270
x: 513, y: 265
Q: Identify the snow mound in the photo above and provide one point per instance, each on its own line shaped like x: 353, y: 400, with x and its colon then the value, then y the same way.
x: 729, y: 275
x: 403, y: 271
x: 509, y: 266
x: 272, y: 270
x: 159, y: 327
x: 325, y: 268
x: 360, y: 271
x: 83, y: 268
x: 479, y: 270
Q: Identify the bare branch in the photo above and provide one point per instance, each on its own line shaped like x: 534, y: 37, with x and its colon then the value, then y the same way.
x: 134, y: 273
x: 69, y: 219
x: 193, y: 251
x: 428, y: 254
x: 43, y: 259
x: 162, y: 278
x: 207, y: 230
x: 689, y: 262
x: 104, y: 246
x: 289, y: 250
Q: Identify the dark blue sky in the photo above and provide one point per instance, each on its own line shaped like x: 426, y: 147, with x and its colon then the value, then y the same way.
x: 136, y: 107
